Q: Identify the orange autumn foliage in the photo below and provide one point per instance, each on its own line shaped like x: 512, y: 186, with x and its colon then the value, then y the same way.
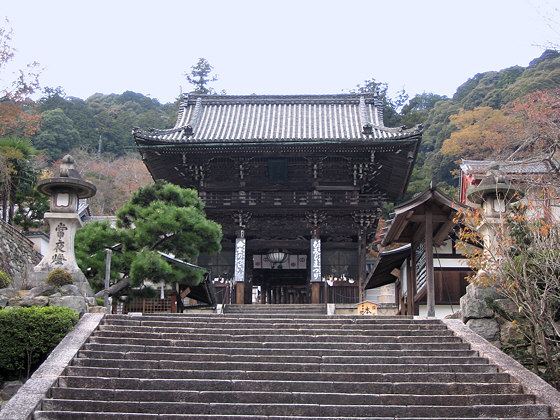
x: 17, y: 116
x: 479, y: 132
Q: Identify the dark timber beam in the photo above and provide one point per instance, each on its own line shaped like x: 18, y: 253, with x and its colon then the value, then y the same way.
x: 430, y: 263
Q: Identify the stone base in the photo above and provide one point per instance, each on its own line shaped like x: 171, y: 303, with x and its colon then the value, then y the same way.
x: 35, y: 278
x: 383, y: 309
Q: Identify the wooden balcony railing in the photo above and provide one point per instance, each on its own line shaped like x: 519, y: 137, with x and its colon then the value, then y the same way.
x: 289, y: 199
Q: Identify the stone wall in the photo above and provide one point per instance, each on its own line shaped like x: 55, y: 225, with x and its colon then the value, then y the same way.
x: 68, y: 295
x: 476, y: 314
x: 17, y: 255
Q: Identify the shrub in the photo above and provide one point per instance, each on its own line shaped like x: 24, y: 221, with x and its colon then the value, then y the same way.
x: 28, y: 335
x: 5, y: 279
x: 59, y: 277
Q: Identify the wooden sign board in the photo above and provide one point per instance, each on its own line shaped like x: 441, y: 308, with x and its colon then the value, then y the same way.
x: 367, y: 308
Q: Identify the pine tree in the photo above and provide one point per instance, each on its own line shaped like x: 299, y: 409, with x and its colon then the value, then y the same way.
x: 200, y: 76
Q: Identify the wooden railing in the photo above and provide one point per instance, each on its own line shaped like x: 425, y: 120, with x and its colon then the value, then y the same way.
x: 289, y: 199
x: 149, y: 306
x: 285, y: 294
x: 224, y: 293
x: 341, y: 294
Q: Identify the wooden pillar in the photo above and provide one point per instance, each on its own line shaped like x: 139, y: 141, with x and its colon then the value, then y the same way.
x: 430, y: 293
x: 361, y: 265
x: 316, y: 293
x: 240, y: 292
x: 414, y: 270
x: 410, y: 285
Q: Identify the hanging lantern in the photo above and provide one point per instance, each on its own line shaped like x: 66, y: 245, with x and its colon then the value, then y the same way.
x: 277, y: 256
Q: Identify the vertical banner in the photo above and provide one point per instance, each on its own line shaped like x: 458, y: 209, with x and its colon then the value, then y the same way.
x: 315, y: 259
x: 239, y: 275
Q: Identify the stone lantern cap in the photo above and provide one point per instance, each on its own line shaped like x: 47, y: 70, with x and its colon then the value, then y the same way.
x: 494, y: 184
x: 69, y: 180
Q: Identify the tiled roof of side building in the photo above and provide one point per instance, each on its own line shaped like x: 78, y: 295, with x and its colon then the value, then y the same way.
x: 472, y: 167
x: 219, y: 118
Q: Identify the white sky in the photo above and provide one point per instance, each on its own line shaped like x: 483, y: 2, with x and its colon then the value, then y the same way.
x: 276, y: 47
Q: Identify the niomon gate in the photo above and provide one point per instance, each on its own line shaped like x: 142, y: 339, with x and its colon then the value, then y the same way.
x: 297, y: 183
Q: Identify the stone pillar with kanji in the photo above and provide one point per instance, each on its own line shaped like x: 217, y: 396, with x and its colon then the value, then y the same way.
x: 63, y: 219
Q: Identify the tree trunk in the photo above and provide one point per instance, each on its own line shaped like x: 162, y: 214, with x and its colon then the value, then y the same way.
x: 115, y: 288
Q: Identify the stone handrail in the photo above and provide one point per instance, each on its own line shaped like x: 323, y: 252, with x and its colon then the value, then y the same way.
x: 15, y: 233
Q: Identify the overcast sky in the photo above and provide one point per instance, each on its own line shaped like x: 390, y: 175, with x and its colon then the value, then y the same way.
x: 276, y: 47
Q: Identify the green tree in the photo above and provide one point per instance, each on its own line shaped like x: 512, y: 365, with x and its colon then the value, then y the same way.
x: 18, y: 176
x: 57, y: 135
x: 77, y: 110
x: 200, y: 76
x: 90, y: 249
x: 115, y: 115
x: 158, y: 218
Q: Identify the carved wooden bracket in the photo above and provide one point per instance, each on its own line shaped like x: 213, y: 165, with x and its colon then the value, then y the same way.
x: 241, y: 218
x: 315, y: 218
x: 315, y: 166
x: 366, y: 222
x: 245, y: 166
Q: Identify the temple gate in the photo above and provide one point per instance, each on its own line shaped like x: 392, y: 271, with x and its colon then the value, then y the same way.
x: 297, y: 183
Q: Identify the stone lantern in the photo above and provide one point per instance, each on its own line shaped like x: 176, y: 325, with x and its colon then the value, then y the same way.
x: 494, y: 194
x: 63, y: 219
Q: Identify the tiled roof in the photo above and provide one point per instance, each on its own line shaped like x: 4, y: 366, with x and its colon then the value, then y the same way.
x: 221, y: 118
x: 474, y: 167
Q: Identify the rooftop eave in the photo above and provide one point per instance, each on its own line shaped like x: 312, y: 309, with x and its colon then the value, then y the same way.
x: 158, y: 137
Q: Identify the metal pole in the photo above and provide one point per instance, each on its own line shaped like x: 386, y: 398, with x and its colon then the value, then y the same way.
x: 107, y: 276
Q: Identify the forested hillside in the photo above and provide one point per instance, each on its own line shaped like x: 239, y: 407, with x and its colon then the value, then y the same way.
x: 102, y: 123
x: 496, y: 90
x: 99, y: 128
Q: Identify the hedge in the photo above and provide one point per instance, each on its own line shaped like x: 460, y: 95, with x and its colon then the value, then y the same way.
x: 28, y: 335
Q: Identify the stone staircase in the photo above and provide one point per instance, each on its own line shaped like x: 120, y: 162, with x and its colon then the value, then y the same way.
x: 279, y: 309
x: 275, y: 362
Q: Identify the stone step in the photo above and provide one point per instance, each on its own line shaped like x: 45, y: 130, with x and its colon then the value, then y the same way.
x: 173, y: 345
x: 284, y: 328
x: 179, y: 359
x: 248, y: 318
x: 239, y: 384
x: 263, y: 362
x: 260, y: 324
x: 293, y: 372
x: 275, y: 323
x: 393, y: 367
x: 204, y: 346
x: 157, y: 332
x: 260, y: 397
x: 518, y: 410
x: 73, y: 415
x: 172, y: 338
x: 110, y: 351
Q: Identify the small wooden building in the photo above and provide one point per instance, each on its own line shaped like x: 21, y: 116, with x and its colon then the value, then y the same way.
x: 297, y: 183
x: 427, y: 271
